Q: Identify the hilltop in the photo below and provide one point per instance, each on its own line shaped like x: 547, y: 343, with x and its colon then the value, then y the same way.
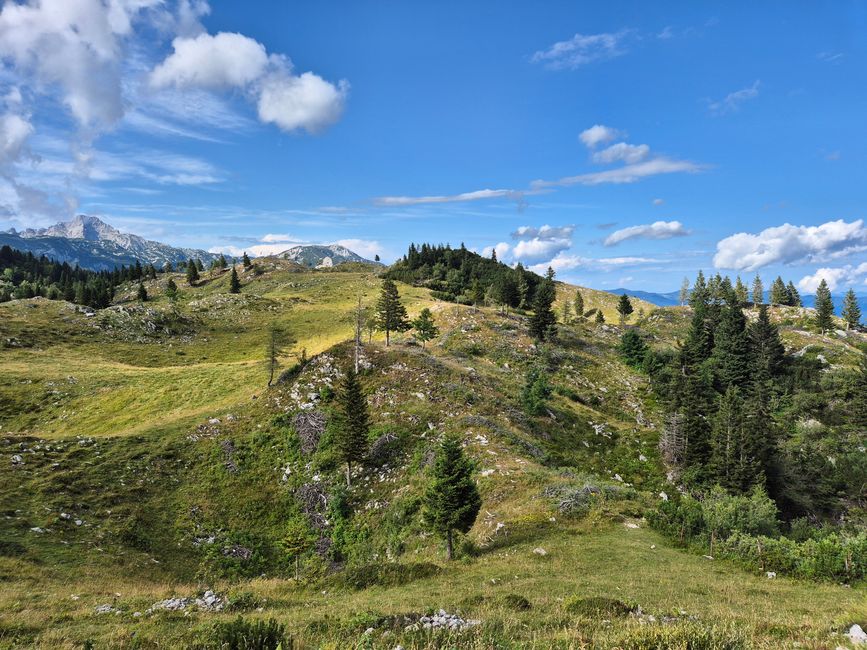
x: 315, y: 256
x: 154, y: 463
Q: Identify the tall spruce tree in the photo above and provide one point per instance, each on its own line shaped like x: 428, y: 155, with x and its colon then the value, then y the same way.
x: 699, y: 338
x: 523, y: 287
x: 742, y: 294
x: 352, y: 422
x: 452, y: 501
x: 624, y: 308
x: 171, y: 289
x: 543, y: 322
x: 731, y: 351
x: 758, y: 290
x: 579, y: 305
x: 390, y: 312
x: 234, y: 282
x: 727, y: 440
x: 245, y: 260
x: 793, y: 295
x: 767, y: 350
x: 851, y: 311
x: 192, y: 273
x: 697, y: 399
x: 824, y: 307
x: 142, y: 293
x: 699, y: 294
x: 779, y: 294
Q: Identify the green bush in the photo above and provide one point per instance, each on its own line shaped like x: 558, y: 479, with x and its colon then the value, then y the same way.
x: 385, y: 575
x: 599, y: 607
x: 242, y: 634
x: 516, y: 602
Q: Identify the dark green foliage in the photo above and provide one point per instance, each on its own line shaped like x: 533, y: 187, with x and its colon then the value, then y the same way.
x: 600, y: 317
x: 242, y: 634
x: 536, y: 391
x: 758, y: 291
x: 452, y: 500
x: 858, y: 412
x: 851, y: 311
x: 459, y: 275
x: 234, y: 282
x: 141, y: 293
x: 353, y: 422
x: 633, y: 348
x: 171, y: 289
x: 579, y: 305
x: 543, y: 322
x: 385, y: 574
x: 599, y: 607
x: 684, y: 636
x: 192, y: 273
x: 731, y: 352
x: 699, y: 294
x: 768, y: 352
x: 824, y: 307
x: 23, y: 275
x: 794, y: 298
x: 424, y: 326
x: 245, y: 260
x: 624, y: 308
x: 390, y: 312
x: 779, y: 293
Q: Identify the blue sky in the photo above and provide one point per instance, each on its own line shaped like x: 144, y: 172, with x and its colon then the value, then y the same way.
x: 620, y: 145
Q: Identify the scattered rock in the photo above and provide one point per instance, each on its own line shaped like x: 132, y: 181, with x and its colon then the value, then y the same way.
x: 771, y: 575
x: 540, y: 551
x: 856, y: 634
x: 17, y: 459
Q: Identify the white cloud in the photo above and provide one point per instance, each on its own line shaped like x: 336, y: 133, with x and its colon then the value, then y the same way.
x: 229, y: 60
x: 622, y: 152
x: 732, y: 102
x: 537, y: 249
x: 655, y: 230
x: 305, y: 102
x: 224, y: 60
x: 625, y: 174
x: 272, y: 238
x: 14, y: 132
x: 453, y: 198
x: 582, y: 49
x: 564, y: 262
x: 788, y: 244
x: 367, y: 248
x: 599, y: 134
x: 502, y: 250
x: 835, y: 277
x: 658, y: 201
x: 545, y: 232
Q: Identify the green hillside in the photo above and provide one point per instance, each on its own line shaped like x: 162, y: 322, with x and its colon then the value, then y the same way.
x: 145, y: 458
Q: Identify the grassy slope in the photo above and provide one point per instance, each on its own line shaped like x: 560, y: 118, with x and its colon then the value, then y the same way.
x: 144, y: 489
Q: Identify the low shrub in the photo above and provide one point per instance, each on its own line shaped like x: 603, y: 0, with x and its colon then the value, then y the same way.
x: 684, y: 636
x: 385, y: 575
x: 242, y: 634
x: 599, y: 607
x: 516, y: 602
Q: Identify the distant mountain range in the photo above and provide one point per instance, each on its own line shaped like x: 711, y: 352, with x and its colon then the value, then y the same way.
x: 91, y: 243
x: 672, y: 298
x: 317, y: 257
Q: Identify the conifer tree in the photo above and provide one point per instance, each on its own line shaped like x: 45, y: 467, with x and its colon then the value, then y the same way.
x: 851, y: 310
x: 543, y: 321
x: 523, y: 288
x: 727, y: 440
x: 234, y: 282
x: 731, y: 353
x: 452, y: 501
x: 192, y: 274
x: 424, y: 326
x: 567, y: 311
x: 767, y: 350
x: 824, y: 307
x: 245, y: 260
x: 742, y: 294
x: 699, y: 339
x: 858, y: 412
x: 142, y: 293
x: 390, y: 312
x: 199, y: 265
x: 624, y: 308
x: 793, y: 295
x: 171, y: 289
x: 536, y: 391
x: 632, y: 348
x: 696, y: 402
x: 758, y: 290
x: 352, y: 423
x: 699, y: 294
x: 279, y: 343
x: 779, y: 294
x: 600, y: 317
x: 579, y: 305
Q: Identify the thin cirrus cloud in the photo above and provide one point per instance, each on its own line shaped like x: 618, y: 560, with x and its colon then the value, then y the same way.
x: 636, y: 163
x: 583, y: 49
x: 655, y: 230
x: 732, y: 102
x: 789, y: 244
x: 565, y: 262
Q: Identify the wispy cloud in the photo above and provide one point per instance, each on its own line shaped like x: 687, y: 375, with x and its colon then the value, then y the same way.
x: 733, y: 101
x: 655, y: 230
x: 478, y: 195
x: 625, y: 174
x: 582, y: 49
x: 830, y: 57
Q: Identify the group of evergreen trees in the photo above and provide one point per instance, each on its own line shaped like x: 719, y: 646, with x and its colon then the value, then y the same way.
x: 460, y: 275
x: 724, y: 392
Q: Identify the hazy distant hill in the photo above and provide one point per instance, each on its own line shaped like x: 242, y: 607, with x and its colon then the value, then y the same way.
x: 315, y: 256
x: 91, y: 243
